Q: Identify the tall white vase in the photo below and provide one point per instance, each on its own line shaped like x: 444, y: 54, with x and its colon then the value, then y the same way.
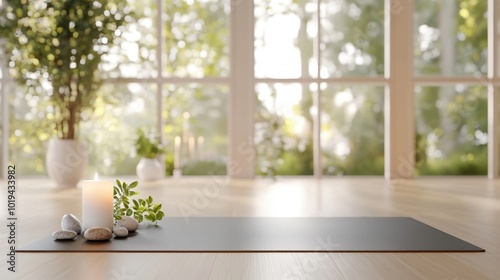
x: 66, y: 161
x: 150, y: 169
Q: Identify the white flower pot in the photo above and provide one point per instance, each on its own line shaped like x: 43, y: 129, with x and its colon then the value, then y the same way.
x: 150, y: 169
x: 66, y: 161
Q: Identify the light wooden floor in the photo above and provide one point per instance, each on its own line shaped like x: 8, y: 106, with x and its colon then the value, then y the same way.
x: 468, y: 208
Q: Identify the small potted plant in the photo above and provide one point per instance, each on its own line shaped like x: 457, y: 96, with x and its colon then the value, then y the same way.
x: 149, y: 148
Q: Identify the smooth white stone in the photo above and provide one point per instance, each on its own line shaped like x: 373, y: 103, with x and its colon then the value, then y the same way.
x: 129, y: 223
x: 71, y: 222
x: 98, y: 234
x: 64, y: 235
x: 120, y: 232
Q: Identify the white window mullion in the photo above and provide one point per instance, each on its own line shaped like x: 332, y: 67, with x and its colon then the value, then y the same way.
x: 452, y: 80
x: 493, y: 132
x: 399, y: 99
x: 241, y: 104
x: 493, y: 99
x: 159, y: 72
x: 318, y: 165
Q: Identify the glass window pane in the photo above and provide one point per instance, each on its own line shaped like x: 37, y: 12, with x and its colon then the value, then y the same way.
x: 285, y: 31
x: 352, y: 130
x: 31, y: 126
x: 197, y: 114
x: 283, y: 129
x: 451, y: 130
x: 196, y: 38
x: 352, y: 38
x: 135, y: 53
x: 111, y: 131
x: 450, y: 37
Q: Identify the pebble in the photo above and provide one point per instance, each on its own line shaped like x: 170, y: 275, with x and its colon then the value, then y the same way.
x: 70, y: 222
x: 64, y: 235
x: 97, y: 234
x: 129, y: 223
x: 120, y: 232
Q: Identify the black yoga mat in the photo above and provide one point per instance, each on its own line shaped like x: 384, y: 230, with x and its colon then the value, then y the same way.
x: 305, y: 234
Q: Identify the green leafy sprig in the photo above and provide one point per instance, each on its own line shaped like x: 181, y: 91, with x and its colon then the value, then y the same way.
x: 140, y: 209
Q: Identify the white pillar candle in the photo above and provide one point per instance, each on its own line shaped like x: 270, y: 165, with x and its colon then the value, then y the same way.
x: 177, y: 153
x: 201, y: 142
x: 192, y: 144
x: 185, y: 127
x: 97, y: 204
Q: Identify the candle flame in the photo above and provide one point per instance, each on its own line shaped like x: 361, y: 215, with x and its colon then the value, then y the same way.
x: 96, y: 176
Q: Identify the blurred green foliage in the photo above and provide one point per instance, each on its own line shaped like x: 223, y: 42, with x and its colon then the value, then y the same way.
x: 54, y: 48
x: 451, y: 121
x: 204, y: 167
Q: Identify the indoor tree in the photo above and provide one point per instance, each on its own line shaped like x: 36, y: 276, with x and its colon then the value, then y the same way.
x: 54, y: 49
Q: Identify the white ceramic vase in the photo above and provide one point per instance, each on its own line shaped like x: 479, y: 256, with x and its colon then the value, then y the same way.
x: 66, y: 161
x: 150, y: 169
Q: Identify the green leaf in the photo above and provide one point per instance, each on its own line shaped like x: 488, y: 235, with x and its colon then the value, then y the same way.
x: 136, y: 204
x: 134, y: 184
x: 142, y: 202
x: 159, y: 216
x: 151, y: 217
x: 162, y: 214
x: 139, y: 218
x: 150, y: 199
x: 119, y: 183
x: 156, y: 207
x: 129, y: 212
